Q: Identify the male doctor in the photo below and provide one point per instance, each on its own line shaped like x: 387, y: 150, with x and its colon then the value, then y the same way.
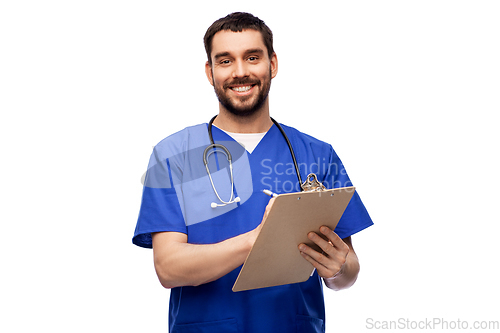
x: 198, y: 250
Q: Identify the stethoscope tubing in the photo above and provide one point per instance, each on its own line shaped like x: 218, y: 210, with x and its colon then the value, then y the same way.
x: 282, y: 133
x: 213, y: 147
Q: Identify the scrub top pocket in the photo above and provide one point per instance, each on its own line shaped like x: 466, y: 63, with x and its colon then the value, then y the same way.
x: 220, y: 326
x: 306, y: 324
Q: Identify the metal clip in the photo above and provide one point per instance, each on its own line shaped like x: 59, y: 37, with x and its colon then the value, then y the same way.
x: 312, y: 184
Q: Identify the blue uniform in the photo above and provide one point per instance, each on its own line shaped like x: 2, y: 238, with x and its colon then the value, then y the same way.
x: 177, y: 197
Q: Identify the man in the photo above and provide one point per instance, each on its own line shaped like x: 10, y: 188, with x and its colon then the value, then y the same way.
x: 198, y: 250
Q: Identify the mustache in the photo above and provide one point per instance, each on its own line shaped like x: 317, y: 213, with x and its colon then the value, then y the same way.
x: 241, y: 82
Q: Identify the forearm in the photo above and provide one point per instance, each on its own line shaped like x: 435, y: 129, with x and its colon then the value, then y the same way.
x: 347, y: 275
x: 179, y: 263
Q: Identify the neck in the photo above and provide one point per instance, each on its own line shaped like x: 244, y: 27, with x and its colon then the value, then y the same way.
x: 258, y: 122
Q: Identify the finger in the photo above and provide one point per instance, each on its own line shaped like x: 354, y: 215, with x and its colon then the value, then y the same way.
x: 340, y: 248
x: 268, y: 208
x: 322, y: 270
x: 316, y: 256
x: 327, y: 265
x: 325, y: 245
x: 335, y: 240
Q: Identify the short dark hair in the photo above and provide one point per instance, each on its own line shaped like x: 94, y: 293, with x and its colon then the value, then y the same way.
x: 238, y: 22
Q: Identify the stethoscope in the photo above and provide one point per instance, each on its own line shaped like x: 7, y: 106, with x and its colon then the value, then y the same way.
x: 213, y: 147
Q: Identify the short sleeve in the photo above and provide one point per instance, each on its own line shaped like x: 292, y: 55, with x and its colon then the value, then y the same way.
x: 355, y: 217
x: 160, y: 207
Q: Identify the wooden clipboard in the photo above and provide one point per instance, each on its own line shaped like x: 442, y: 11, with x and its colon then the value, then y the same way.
x: 275, y: 258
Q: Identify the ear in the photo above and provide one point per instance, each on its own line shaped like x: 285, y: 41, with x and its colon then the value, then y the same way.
x: 208, y: 72
x: 274, y: 65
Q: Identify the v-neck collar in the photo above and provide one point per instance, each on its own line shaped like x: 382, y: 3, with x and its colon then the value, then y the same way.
x: 220, y: 132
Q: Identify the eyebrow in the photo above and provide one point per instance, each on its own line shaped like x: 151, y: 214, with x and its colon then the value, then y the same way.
x: 220, y: 55
x: 258, y: 51
x: 225, y: 54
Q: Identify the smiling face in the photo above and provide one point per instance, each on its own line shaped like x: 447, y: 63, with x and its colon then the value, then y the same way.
x: 241, y: 71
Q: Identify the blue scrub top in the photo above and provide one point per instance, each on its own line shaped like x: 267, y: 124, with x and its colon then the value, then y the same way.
x: 177, y: 197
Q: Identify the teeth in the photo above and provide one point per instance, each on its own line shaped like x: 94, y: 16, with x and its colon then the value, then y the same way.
x: 242, y: 89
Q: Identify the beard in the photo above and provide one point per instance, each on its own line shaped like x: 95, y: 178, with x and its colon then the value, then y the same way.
x: 248, y: 105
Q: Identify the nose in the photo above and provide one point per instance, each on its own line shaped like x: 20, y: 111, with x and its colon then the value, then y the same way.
x: 240, y: 69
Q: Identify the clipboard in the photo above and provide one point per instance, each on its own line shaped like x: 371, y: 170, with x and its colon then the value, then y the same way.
x: 275, y: 258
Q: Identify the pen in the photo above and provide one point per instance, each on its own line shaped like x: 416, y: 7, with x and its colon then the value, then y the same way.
x: 269, y: 193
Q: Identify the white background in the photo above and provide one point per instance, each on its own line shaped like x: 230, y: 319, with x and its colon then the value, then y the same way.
x: 407, y: 92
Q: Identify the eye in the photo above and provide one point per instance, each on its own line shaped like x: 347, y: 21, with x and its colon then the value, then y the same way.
x: 252, y: 58
x: 225, y: 62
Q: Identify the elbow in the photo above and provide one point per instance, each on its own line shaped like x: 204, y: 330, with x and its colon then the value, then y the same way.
x: 167, y: 281
x: 168, y: 259
x: 164, y: 280
x: 170, y: 278
x: 166, y: 284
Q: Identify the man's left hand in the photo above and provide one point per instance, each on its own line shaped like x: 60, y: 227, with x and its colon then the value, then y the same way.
x: 331, y: 262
